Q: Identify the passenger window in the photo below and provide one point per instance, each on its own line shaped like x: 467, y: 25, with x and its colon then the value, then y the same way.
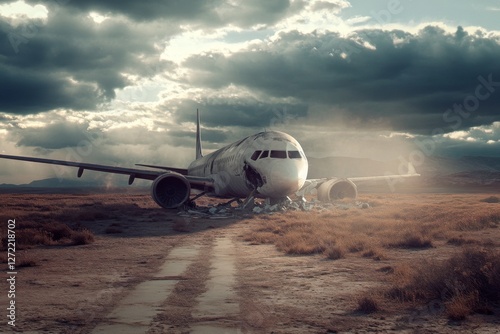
x: 255, y: 155
x: 294, y: 155
x: 265, y: 154
x: 278, y: 154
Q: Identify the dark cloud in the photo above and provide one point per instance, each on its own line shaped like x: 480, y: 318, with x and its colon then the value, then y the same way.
x: 408, y: 80
x: 453, y: 148
x: 207, y: 13
x: 146, y: 10
x: 209, y: 135
x: 55, y: 136
x: 237, y: 111
x: 250, y: 13
x: 72, y: 63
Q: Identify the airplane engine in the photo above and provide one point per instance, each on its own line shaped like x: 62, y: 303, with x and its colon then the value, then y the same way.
x: 337, y: 189
x: 170, y: 190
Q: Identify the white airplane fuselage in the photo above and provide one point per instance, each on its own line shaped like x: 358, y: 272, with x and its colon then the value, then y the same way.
x: 272, y: 163
x: 269, y: 164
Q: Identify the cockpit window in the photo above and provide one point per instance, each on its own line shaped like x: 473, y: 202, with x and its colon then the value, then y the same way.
x: 255, y: 155
x: 294, y: 155
x: 278, y: 154
x: 275, y: 154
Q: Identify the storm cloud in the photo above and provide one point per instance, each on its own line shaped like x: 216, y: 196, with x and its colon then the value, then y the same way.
x: 69, y: 62
x: 409, y: 80
x: 204, y: 13
x: 56, y: 136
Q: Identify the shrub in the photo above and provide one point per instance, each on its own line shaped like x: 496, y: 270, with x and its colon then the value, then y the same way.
x: 334, y: 252
x: 467, y: 282
x: 460, y: 306
x: 411, y: 240
x: 376, y: 254
x: 27, y: 238
x: 83, y: 237
x: 367, y: 305
x: 58, y: 231
x: 491, y: 199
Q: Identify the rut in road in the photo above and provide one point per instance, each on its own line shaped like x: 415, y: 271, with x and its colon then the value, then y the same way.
x: 193, y: 291
x: 135, y: 312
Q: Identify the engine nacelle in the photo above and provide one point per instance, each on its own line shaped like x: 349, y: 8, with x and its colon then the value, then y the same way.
x: 170, y: 190
x: 337, y: 189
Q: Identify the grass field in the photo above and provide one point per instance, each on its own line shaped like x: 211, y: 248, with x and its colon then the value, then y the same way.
x: 468, y: 281
x: 431, y: 247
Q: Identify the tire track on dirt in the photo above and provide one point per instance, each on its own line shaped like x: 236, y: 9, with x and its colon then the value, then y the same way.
x: 218, y: 308
x: 206, y: 301
x: 135, y: 312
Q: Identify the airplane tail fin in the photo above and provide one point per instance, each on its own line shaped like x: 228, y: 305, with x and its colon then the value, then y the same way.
x: 199, y: 154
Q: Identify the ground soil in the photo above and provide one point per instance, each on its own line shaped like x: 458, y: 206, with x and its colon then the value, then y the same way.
x: 162, y: 273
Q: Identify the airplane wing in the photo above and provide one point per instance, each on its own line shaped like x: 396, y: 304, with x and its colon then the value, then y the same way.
x: 314, y: 184
x: 196, y: 182
x: 181, y: 171
x: 411, y: 173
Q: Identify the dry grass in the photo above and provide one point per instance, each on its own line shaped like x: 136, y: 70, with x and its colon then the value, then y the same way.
x: 83, y: 237
x: 467, y: 282
x: 398, y: 222
x: 413, y: 240
x: 44, y: 220
x: 367, y: 305
x: 377, y: 254
x: 461, y: 241
x: 29, y: 235
x: 334, y: 252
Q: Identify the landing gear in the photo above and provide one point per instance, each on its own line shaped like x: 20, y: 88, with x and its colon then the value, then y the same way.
x: 283, y: 201
x: 198, y: 196
x: 249, y: 202
x: 191, y: 204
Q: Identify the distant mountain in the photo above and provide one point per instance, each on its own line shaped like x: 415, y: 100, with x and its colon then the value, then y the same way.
x: 73, y: 186
x: 439, y: 166
x: 55, y: 183
x: 62, y: 183
x: 438, y: 171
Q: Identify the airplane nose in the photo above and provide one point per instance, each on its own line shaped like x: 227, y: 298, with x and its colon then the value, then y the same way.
x: 286, y: 177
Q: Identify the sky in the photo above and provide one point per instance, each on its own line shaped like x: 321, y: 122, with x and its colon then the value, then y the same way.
x: 119, y: 82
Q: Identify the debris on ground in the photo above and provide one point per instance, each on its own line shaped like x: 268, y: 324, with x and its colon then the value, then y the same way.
x: 252, y: 207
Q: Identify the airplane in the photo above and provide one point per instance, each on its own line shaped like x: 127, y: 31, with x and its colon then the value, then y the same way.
x: 269, y: 164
